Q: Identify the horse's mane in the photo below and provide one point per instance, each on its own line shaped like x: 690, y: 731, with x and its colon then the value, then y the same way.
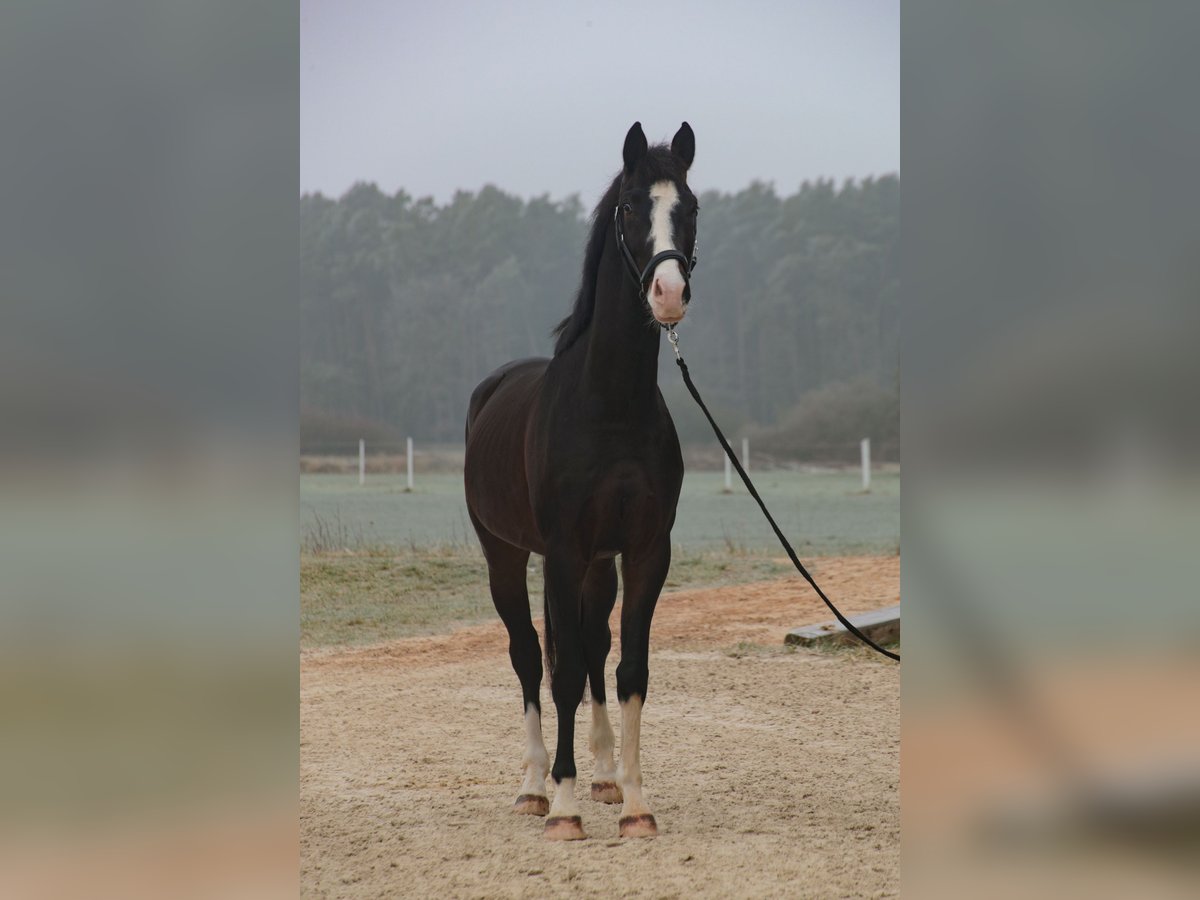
x: 659, y: 163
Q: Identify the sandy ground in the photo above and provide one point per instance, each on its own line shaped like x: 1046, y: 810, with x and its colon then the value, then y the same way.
x: 770, y: 772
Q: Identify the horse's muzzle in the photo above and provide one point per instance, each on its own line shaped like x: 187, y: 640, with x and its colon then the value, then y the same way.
x: 667, y: 296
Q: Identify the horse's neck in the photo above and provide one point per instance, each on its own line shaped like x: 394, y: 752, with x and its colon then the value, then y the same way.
x: 621, y: 363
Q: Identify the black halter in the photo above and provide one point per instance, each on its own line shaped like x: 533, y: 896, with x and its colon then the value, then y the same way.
x: 642, y: 278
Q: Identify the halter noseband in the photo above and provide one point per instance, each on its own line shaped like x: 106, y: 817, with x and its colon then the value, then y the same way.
x: 642, y: 278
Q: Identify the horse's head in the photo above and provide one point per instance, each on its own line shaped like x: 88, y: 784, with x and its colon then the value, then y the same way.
x: 656, y: 220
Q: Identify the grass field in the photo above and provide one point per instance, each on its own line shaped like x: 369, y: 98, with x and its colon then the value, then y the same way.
x: 822, y: 513
x: 378, y: 595
x: 380, y: 563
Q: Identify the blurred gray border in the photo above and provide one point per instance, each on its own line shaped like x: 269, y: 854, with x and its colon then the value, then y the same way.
x: 1050, y: 422
x: 148, y: 383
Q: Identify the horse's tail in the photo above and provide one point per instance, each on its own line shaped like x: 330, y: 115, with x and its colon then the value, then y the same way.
x: 550, y: 657
x: 548, y: 643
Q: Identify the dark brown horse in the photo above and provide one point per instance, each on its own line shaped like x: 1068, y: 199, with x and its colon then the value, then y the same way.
x: 575, y: 458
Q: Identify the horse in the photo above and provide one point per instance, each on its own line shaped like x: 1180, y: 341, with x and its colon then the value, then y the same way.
x: 576, y: 458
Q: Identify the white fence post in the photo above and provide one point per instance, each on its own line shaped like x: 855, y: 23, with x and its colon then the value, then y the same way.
x: 866, y: 463
x: 746, y: 454
x: 362, y: 461
x: 728, y: 476
x: 408, y: 459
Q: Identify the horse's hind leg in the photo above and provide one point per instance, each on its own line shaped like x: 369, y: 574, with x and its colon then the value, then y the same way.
x: 506, y: 577
x: 599, y: 595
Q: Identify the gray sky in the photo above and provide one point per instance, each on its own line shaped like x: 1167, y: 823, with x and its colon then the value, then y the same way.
x: 535, y: 97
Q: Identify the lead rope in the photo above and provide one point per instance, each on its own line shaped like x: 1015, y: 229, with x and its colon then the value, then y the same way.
x: 687, y: 379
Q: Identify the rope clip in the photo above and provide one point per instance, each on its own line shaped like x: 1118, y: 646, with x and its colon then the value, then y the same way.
x: 674, y: 339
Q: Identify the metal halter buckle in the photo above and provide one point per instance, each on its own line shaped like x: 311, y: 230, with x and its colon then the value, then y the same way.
x: 674, y: 339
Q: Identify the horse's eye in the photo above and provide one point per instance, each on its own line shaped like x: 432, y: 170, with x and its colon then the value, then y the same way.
x: 626, y: 208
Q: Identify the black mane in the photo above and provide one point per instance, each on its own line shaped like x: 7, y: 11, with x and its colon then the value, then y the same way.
x: 659, y: 163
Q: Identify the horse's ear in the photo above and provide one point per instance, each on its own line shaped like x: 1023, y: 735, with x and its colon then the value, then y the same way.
x: 635, y: 147
x: 683, y: 144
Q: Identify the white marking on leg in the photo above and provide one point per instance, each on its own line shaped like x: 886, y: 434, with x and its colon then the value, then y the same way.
x: 564, y: 803
x: 630, y: 773
x: 602, y: 741
x: 535, y: 760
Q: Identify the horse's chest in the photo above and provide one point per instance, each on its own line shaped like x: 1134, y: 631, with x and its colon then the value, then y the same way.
x: 615, y: 507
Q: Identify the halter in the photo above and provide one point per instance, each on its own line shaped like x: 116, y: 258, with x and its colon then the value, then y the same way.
x: 642, y: 279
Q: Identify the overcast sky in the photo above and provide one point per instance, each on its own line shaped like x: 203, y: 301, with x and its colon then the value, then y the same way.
x: 535, y: 97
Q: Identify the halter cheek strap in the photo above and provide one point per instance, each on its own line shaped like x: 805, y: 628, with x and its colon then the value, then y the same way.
x: 642, y: 278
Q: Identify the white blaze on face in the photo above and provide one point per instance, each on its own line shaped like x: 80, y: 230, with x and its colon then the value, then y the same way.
x: 666, y: 282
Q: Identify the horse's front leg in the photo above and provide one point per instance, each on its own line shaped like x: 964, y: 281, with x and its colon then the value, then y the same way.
x: 568, y: 673
x: 644, y: 577
x: 599, y: 596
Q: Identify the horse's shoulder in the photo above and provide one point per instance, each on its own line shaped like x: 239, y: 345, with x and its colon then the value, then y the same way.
x: 518, y: 369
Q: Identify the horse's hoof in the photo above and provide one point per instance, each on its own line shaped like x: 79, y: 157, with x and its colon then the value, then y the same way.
x: 606, y: 792
x: 638, y: 826
x: 564, y: 828
x: 531, y: 805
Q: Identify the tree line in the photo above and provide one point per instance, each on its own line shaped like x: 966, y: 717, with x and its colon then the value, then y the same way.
x: 406, y: 304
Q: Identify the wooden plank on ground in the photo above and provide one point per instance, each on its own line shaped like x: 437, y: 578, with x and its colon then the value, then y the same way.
x: 882, y: 626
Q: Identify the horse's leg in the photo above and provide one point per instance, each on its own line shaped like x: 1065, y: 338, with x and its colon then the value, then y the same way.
x: 564, y: 582
x: 506, y: 577
x: 644, y: 577
x: 599, y: 595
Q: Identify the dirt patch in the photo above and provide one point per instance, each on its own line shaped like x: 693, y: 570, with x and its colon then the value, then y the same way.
x: 771, y: 772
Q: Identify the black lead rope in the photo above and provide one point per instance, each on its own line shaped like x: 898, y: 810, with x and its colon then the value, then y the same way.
x: 687, y: 379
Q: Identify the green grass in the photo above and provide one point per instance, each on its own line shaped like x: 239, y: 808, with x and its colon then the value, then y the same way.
x: 715, y: 568
x: 822, y: 513
x: 379, y: 594
x: 380, y: 563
